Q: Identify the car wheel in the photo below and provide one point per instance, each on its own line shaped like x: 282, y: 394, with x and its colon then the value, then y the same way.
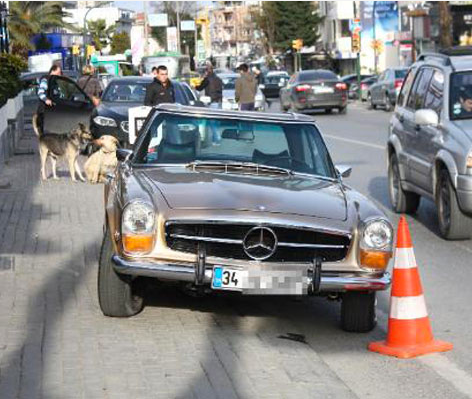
x: 328, y: 110
x: 453, y: 224
x: 343, y: 110
x: 388, y: 103
x: 118, y: 295
x: 370, y: 102
x: 402, y: 201
x: 358, y: 311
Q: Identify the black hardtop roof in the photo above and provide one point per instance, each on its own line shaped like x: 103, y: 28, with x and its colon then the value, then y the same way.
x: 261, y: 116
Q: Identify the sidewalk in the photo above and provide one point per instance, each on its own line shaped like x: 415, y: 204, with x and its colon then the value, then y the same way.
x: 55, y: 343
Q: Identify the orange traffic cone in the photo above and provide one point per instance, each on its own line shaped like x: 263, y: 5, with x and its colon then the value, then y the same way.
x: 409, y: 332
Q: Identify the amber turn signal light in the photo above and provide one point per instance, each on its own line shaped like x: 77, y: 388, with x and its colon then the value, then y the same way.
x: 138, y: 243
x: 375, y: 259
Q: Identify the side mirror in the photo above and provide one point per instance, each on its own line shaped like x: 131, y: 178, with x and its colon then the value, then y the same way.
x: 426, y: 117
x: 344, y: 170
x: 205, y: 100
x: 123, y: 155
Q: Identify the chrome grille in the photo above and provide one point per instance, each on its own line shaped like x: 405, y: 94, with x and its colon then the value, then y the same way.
x: 225, y: 240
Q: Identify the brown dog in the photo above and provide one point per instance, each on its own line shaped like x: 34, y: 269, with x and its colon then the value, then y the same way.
x: 65, y: 146
x: 102, y: 161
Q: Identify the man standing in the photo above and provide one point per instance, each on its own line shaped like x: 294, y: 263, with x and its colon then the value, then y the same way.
x: 44, y: 101
x: 161, y: 89
x: 213, y: 87
x: 246, y: 87
x: 90, y: 84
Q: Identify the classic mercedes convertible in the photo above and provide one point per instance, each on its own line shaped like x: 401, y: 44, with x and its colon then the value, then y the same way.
x: 239, y: 201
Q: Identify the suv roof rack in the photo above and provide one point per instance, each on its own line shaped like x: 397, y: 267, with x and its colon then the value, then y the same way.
x: 438, y: 56
x: 457, y: 51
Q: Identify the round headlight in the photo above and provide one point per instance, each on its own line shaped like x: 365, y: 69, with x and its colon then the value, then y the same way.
x: 138, y: 218
x: 378, y: 235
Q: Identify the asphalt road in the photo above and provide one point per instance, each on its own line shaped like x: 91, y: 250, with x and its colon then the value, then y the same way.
x: 358, y: 139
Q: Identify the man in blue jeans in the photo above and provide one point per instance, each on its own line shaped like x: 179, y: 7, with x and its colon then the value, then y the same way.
x: 246, y: 88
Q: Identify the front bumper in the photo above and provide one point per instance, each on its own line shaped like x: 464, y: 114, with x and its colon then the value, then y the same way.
x: 464, y: 193
x: 329, y: 282
x: 99, y: 131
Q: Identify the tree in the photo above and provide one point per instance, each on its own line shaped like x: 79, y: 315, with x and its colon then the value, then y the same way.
x: 445, y: 23
x: 101, y: 35
x: 27, y: 18
x: 120, y: 42
x: 283, y: 21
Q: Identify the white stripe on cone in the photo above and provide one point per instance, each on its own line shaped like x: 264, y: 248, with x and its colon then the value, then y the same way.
x: 404, y: 258
x: 408, y: 307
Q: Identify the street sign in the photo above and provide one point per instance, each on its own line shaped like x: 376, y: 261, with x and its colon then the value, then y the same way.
x: 187, y: 25
x: 158, y: 20
x: 172, y: 39
x: 297, y: 44
x: 201, y: 50
x: 356, y: 42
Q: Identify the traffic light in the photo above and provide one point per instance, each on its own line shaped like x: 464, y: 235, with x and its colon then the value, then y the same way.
x: 75, y: 50
x: 202, y: 21
x: 297, y: 44
x: 356, y: 42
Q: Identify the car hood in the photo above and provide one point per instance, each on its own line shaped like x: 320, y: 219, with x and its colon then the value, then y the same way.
x: 116, y: 110
x: 182, y: 188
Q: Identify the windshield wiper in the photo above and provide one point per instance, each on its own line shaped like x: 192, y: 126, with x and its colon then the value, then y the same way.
x: 232, y: 165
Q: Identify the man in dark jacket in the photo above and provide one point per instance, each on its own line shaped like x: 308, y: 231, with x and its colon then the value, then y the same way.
x: 161, y: 89
x: 44, y: 100
x: 213, y: 87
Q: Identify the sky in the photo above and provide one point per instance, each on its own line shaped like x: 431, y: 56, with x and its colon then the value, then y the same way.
x: 138, y: 5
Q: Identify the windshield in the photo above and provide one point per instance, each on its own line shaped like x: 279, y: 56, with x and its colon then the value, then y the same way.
x: 125, y: 92
x: 461, y: 96
x: 229, y: 82
x: 183, y: 139
x: 400, y: 73
x: 276, y: 79
x: 317, y: 75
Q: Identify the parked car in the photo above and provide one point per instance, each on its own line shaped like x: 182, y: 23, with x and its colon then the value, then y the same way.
x: 273, y: 82
x: 30, y: 82
x: 385, y: 91
x: 229, y: 92
x: 351, y: 82
x: 72, y: 105
x: 430, y: 141
x: 365, y: 86
x: 310, y: 90
x: 264, y: 212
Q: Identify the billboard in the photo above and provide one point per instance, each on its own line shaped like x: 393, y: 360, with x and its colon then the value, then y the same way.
x: 386, y: 20
x: 158, y: 20
x: 187, y: 25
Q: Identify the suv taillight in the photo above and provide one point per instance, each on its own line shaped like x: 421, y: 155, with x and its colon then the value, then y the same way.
x: 341, y: 86
x: 302, y: 88
x: 398, y: 83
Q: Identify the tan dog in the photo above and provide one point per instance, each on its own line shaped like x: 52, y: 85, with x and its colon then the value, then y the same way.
x: 102, y: 161
x: 65, y: 146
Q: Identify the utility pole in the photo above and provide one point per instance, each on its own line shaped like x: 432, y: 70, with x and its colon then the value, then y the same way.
x: 177, y: 13
x: 375, y: 37
x: 146, y: 39
x: 195, y: 53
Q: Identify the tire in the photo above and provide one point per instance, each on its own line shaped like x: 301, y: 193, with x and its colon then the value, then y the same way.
x: 343, y: 110
x: 402, y: 201
x: 358, y: 311
x: 118, y: 295
x: 388, y: 104
x: 370, y: 102
x: 453, y: 224
x: 328, y: 110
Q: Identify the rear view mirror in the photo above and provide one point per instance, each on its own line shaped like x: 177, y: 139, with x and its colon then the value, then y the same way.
x: 344, y: 170
x: 426, y: 117
x: 123, y: 155
x: 235, y: 134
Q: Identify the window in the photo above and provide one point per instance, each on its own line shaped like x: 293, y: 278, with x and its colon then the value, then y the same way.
x: 434, y: 95
x: 345, y: 30
x: 418, y: 93
x: 460, y: 95
x: 180, y: 139
x: 315, y: 75
x: 64, y: 90
x: 406, y: 88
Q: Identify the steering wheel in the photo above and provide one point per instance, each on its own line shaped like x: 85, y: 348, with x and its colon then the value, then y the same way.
x: 292, y: 160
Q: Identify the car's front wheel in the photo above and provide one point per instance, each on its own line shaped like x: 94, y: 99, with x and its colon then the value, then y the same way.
x: 388, y: 103
x: 358, y: 311
x: 370, y: 102
x: 402, y: 201
x: 118, y: 295
x: 453, y: 224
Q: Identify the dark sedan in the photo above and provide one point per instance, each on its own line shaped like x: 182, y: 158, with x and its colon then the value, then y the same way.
x: 351, y: 83
x: 121, y: 94
x: 273, y: 82
x: 310, y: 90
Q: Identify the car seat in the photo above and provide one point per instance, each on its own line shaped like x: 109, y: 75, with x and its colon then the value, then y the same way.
x: 281, y: 159
x: 177, y: 146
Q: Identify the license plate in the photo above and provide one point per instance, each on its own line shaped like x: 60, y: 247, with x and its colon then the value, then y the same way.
x: 225, y: 278
x: 322, y: 89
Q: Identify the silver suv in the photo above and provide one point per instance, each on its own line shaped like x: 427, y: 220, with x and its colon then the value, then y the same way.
x: 430, y: 141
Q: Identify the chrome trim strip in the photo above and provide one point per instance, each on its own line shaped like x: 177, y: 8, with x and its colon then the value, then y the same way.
x: 181, y: 272
x: 234, y: 241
